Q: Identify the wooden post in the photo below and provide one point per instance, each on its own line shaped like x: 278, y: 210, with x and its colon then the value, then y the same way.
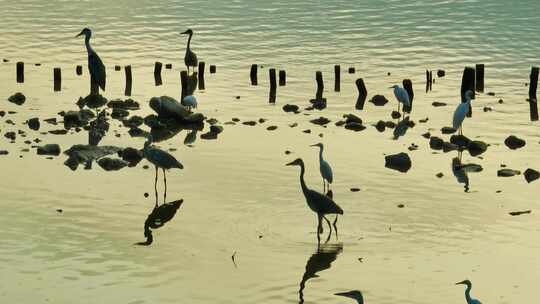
x: 129, y: 80
x: 362, y: 94
x: 20, y: 72
x: 282, y: 77
x: 352, y: 70
x: 431, y: 80
x: 200, y: 70
x: 184, y: 81
x: 168, y: 66
x: 78, y: 70
x: 468, y: 84
x: 57, y: 79
x: 407, y: 85
x: 273, y: 85
x: 320, y: 85
x: 117, y: 68
x: 427, y: 81
x: 157, y: 73
x: 212, y: 69
x: 533, y: 85
x: 480, y: 77
x: 253, y: 74
x: 337, y: 78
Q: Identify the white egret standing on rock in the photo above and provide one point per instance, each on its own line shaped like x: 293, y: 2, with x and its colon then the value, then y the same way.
x: 95, y: 65
x: 468, y: 292
x: 401, y: 95
x: 190, y: 59
x: 160, y: 159
x: 317, y: 202
x: 461, y: 112
x: 353, y: 294
x: 324, y: 167
x: 189, y: 101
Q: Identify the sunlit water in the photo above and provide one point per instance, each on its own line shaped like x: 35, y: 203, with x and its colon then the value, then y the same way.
x: 239, y: 196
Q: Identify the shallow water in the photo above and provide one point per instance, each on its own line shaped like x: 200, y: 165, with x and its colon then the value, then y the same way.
x: 239, y: 198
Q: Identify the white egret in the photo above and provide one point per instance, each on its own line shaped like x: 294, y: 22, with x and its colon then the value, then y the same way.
x: 189, y: 101
x: 160, y: 159
x: 95, y: 65
x: 317, y: 202
x: 353, y: 294
x: 468, y: 292
x: 324, y: 167
x: 461, y: 112
x: 401, y: 95
x: 190, y: 59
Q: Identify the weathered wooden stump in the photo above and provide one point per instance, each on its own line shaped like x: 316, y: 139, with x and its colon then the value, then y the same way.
x: 362, y: 94
x: 337, y: 78
x: 468, y: 84
x: 20, y: 72
x: 273, y: 85
x: 200, y: 71
x: 480, y: 77
x: 57, y: 79
x: 157, y: 73
x: 282, y: 77
x: 129, y: 80
x: 253, y: 74
x: 407, y: 85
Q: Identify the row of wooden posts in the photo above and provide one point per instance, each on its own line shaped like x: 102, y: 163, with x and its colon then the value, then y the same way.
x: 57, y: 73
x: 473, y: 80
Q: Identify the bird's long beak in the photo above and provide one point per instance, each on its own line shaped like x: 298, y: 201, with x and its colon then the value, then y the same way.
x: 290, y: 164
x: 459, y: 283
x: 391, y: 87
x: 343, y: 294
x: 79, y: 34
x: 314, y: 145
x: 184, y: 33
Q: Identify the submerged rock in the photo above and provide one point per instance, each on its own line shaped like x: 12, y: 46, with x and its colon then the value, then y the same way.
x: 128, y: 104
x: 531, y: 175
x: 460, y: 140
x: 133, y: 122
x: 514, y: 142
x: 507, y: 172
x: 111, y: 164
x: 10, y: 135
x: 209, y: 135
x: 290, y: 108
x: 50, y: 149
x: 17, y: 98
x: 271, y: 128
x: 83, y: 154
x: 92, y: 101
x: 436, y: 143
x: 352, y: 118
x: 400, y: 162
x: 354, y: 126
x: 4, y: 152
x: 33, y: 123
x: 378, y: 100
x: 74, y: 119
x: 476, y: 147
x: 320, y: 121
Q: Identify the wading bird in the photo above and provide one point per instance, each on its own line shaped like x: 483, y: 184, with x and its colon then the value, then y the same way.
x: 160, y: 159
x: 353, y: 294
x: 461, y: 112
x: 190, y: 59
x: 401, y: 95
x: 190, y: 102
x: 324, y: 167
x: 468, y: 292
x: 157, y: 218
x: 95, y: 65
x: 317, y: 202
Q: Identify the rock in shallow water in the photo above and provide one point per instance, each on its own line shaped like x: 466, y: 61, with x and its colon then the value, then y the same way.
x: 17, y: 98
x: 531, y: 175
x: 50, y: 149
x: 320, y: 121
x: 378, y: 100
x: 514, y: 142
x: 85, y: 154
x: 508, y: 172
x: 400, y: 162
x: 477, y: 147
x: 111, y: 164
x: 33, y: 123
x: 436, y: 143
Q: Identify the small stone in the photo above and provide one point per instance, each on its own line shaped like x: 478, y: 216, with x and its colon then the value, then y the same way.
x: 216, y: 129
x: 436, y: 143
x: 448, y: 130
x: 33, y: 123
x: 507, y: 172
x: 396, y: 114
x: 476, y: 147
x: 400, y: 162
x: 4, y: 152
x: 514, y: 142
x: 271, y: 128
x: 59, y: 210
x: 320, y: 121
x: 262, y: 120
x: 379, y: 100
x: 118, y: 113
x: 2, y: 113
x: 58, y: 132
x: 438, y: 104
x: 17, y: 98
x: 516, y: 213
x: 380, y: 126
x: 146, y: 194
x: 249, y: 123
x: 236, y: 119
x: 293, y: 125
x: 490, y: 93
x: 209, y: 135
x: 212, y: 121
x: 308, y: 131
x: 501, y: 101
x: 440, y: 73
x: 340, y: 123
x: 287, y: 152
x: 439, y: 175
x: 238, y: 97
x: 49, y: 149
x: 424, y: 120
x: 400, y: 205
x: 290, y: 108
x: 355, y: 189
x: 10, y: 135
x: 390, y: 124
x: 426, y: 135
x: 111, y: 164
x: 352, y: 118
x: 51, y: 121
x: 354, y: 126
x: 487, y: 109
x: 531, y: 175
x: 460, y: 140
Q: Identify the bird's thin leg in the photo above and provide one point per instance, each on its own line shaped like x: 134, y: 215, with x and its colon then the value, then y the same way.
x: 328, y: 222
x: 165, y: 182
x: 155, y: 186
x: 335, y: 226
x: 319, y: 229
x: 323, y: 186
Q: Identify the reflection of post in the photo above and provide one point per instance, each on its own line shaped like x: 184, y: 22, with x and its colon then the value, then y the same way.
x: 129, y: 80
x: 200, y: 70
x: 362, y: 94
x: 212, y: 69
x: 20, y: 72
x: 57, y: 79
x: 428, y: 81
x: 273, y: 85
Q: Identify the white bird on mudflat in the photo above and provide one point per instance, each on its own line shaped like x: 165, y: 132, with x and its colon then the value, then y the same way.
x: 401, y: 95
x: 461, y: 112
x: 324, y: 167
x: 189, y: 101
x: 468, y: 292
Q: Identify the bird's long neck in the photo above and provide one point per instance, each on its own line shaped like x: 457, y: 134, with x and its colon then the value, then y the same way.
x: 302, y: 182
x: 468, y: 293
x: 87, y: 43
x: 320, y: 153
x: 189, y: 40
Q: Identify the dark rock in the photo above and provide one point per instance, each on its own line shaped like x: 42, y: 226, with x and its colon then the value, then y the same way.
x: 33, y: 123
x: 118, y: 113
x: 424, y: 120
x: 460, y: 140
x: 436, y: 143
x: 51, y: 121
x: 448, y: 130
x: 439, y: 175
x: 209, y: 135
x: 249, y: 123
x: 17, y: 98
x: 413, y: 147
x: 10, y: 135
x: 50, y: 149
x: 262, y: 120
x: 379, y: 100
x: 131, y: 155
x: 293, y: 125
x: 507, y: 172
x: 321, y: 121
x: 396, y: 114
x: 490, y: 93
x: 2, y: 113
x: 380, y: 126
x: 85, y: 154
x: 236, y: 119
x: 212, y: 121
x: 352, y: 118
x: 111, y: 164
x: 400, y: 205
x: 476, y: 147
x: 4, y: 152
x: 133, y: 122
x: 340, y: 123
x: 92, y: 101
x: 319, y: 104
x: 271, y: 128
x: 516, y: 213
x: 290, y: 108
x: 514, y: 142
x: 308, y: 131
x: 400, y: 162
x: 426, y: 135
x: 440, y: 73
x: 501, y: 101
x: 355, y: 189
x: 216, y: 129
x: 58, y: 132
x: 73, y: 119
x: 438, y: 104
x: 487, y: 109
x: 137, y: 132
x: 390, y: 124
x: 531, y: 175
x: 128, y: 104
x: 10, y: 122
x: 447, y: 147
x: 354, y: 126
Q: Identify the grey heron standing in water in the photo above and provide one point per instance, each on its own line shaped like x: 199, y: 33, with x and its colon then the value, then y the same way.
x: 160, y: 159
x: 401, y: 95
x: 317, y: 202
x: 468, y: 292
x: 95, y: 65
x: 324, y: 167
x: 353, y: 294
x: 461, y: 112
x: 190, y: 59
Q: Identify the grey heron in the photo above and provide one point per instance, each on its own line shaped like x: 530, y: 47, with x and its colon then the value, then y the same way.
x: 353, y: 294
x: 95, y: 65
x: 157, y: 218
x: 461, y: 112
x: 401, y: 95
x: 324, y: 167
x: 468, y: 292
x: 160, y: 159
x: 190, y: 59
x: 189, y: 101
x: 317, y: 202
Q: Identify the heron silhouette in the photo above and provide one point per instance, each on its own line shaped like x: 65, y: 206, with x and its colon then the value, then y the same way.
x: 461, y: 112
x: 160, y: 159
x: 157, y: 218
x: 190, y: 59
x: 401, y: 95
x: 353, y: 294
x: 468, y: 292
x: 317, y: 202
x: 324, y: 167
x: 95, y: 65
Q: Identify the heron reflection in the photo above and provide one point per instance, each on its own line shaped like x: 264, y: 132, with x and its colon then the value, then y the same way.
x: 319, y: 261
x: 157, y: 218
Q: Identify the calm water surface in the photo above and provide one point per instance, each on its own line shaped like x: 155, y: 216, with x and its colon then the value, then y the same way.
x: 238, y: 195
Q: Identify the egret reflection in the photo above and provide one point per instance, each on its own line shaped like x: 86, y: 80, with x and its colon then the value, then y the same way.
x: 157, y: 218
x: 319, y: 261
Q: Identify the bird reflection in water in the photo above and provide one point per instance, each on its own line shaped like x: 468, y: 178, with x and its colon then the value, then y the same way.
x: 460, y: 171
x: 319, y: 261
x: 157, y: 218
